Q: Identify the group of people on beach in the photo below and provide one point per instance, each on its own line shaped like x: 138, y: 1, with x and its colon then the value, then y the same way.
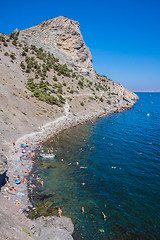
x: 26, y: 159
x: 26, y: 154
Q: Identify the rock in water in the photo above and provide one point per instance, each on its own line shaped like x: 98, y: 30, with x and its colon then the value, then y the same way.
x: 62, y: 37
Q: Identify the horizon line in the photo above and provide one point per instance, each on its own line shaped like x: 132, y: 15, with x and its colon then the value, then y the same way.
x: 147, y: 91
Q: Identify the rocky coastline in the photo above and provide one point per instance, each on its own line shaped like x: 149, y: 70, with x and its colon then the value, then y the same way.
x: 42, y: 228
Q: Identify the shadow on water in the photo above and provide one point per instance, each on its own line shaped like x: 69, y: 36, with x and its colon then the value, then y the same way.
x: 3, y: 179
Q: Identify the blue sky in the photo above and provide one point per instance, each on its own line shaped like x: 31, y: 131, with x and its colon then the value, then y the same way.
x: 123, y: 36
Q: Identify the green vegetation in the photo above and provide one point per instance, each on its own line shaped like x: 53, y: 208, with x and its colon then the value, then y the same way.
x: 22, y: 65
x: 43, y: 65
x: 25, y: 230
x: 2, y: 39
x: 99, y: 87
x: 23, y: 53
x: 109, y: 101
x: 80, y: 83
x: 112, y: 93
x: 14, y: 38
x: 91, y: 98
x: 101, y: 99
x: 82, y: 104
x: 25, y: 49
x: 71, y: 91
x: 6, y: 54
x: 73, y: 75
x: 55, y: 78
x: 43, y: 208
x: 12, y: 56
x: 43, y: 92
x: 5, y: 44
x: 64, y: 83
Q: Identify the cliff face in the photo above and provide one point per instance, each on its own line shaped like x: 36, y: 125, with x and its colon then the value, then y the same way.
x: 62, y: 37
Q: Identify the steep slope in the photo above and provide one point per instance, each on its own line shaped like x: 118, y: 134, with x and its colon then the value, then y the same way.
x: 34, y: 88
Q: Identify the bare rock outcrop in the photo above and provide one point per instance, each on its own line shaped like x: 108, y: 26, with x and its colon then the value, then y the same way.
x: 53, y: 228
x: 62, y: 37
x: 16, y: 32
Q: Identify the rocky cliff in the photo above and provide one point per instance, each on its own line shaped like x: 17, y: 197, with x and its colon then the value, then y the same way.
x: 62, y: 37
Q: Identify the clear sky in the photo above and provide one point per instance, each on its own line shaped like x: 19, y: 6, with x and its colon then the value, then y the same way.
x: 123, y: 35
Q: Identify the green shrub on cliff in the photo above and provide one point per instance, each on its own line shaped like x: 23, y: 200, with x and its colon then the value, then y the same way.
x: 80, y: 83
x: 13, y: 56
x: 55, y: 78
x: 42, y: 91
x: 6, y: 54
x: 22, y: 65
x: 109, y: 101
x: 73, y: 75
x: 5, y: 44
x: 82, y: 104
x: 101, y: 99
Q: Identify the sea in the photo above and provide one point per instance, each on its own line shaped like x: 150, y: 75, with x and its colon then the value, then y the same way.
x: 109, y: 166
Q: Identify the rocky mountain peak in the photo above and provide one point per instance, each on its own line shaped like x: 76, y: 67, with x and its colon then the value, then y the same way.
x: 62, y: 37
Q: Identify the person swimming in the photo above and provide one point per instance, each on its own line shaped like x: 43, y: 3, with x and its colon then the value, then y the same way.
x: 104, y: 216
x: 82, y: 210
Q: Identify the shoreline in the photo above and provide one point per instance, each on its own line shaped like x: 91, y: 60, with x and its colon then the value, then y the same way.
x: 48, y: 130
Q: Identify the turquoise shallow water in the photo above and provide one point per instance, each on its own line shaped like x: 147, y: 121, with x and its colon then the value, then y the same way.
x: 119, y: 161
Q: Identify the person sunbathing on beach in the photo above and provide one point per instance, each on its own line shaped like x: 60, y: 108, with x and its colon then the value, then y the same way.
x: 12, y: 189
x: 18, y: 177
x: 17, y: 202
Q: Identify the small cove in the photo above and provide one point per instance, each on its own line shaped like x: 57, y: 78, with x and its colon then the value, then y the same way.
x: 117, y: 157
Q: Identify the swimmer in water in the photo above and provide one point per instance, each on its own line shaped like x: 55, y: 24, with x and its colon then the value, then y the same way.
x: 41, y: 182
x: 104, y: 216
x: 82, y: 209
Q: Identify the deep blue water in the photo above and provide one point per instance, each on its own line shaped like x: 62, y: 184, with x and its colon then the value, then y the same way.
x: 120, y: 154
